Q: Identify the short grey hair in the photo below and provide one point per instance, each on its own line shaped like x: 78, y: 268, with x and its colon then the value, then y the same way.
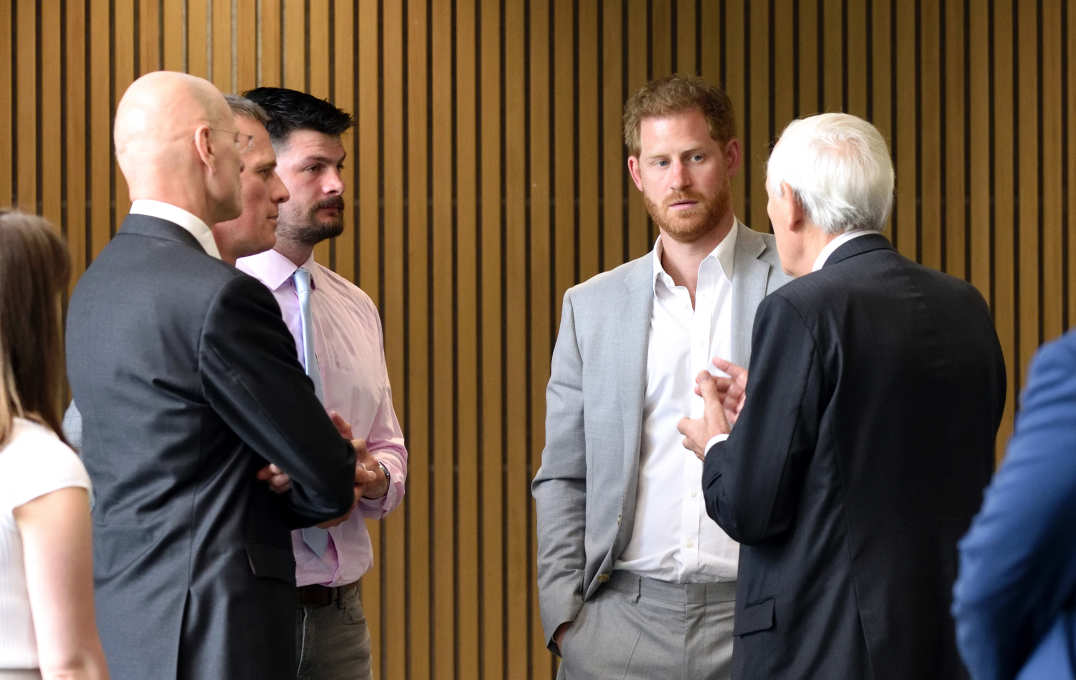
x: 241, y: 106
x: 839, y: 168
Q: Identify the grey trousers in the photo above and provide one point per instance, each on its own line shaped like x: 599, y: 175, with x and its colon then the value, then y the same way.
x: 641, y: 628
x: 332, y: 642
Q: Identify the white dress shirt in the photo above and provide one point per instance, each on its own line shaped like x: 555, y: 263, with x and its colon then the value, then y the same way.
x: 166, y: 211
x: 673, y: 539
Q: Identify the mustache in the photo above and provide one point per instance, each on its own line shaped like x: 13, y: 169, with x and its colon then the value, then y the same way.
x: 683, y: 197
x: 336, y: 202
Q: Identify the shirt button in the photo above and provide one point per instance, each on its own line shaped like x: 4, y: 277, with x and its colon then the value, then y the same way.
x: 694, y: 494
x: 691, y: 544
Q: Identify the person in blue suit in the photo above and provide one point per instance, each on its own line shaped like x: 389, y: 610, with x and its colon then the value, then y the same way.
x: 1014, y: 597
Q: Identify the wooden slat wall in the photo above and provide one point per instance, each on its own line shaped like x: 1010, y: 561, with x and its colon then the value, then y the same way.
x: 487, y: 174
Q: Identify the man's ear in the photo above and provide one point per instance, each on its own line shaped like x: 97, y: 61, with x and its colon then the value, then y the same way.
x: 203, y: 144
x: 733, y: 156
x: 796, y: 214
x: 633, y: 170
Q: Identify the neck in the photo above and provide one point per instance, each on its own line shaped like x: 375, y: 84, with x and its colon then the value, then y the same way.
x: 293, y: 250
x: 681, y: 260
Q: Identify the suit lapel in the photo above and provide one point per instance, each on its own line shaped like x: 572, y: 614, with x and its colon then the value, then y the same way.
x: 749, y: 278
x: 629, y: 361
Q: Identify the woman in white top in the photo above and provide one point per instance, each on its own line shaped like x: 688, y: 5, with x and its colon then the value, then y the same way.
x: 47, y: 626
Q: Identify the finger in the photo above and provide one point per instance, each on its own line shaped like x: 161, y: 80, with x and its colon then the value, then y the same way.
x: 360, y: 447
x: 342, y: 426
x: 264, y: 473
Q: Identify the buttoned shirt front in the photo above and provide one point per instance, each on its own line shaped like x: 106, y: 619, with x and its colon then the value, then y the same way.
x: 351, y: 358
x: 673, y: 539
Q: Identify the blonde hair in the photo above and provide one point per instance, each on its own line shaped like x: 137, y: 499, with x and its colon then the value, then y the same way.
x: 34, y: 268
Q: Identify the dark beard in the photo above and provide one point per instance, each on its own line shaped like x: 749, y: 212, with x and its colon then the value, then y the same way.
x: 315, y: 231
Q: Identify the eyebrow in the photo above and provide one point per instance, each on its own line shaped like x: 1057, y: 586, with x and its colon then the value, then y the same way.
x: 322, y: 159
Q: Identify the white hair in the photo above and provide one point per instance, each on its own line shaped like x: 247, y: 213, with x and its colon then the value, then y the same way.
x: 839, y: 168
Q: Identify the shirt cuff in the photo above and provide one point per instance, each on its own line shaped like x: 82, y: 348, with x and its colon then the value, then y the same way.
x: 713, y: 440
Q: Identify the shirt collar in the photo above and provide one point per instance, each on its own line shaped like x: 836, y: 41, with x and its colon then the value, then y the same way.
x: 272, y: 268
x: 837, y: 243
x: 724, y: 254
x: 176, y: 215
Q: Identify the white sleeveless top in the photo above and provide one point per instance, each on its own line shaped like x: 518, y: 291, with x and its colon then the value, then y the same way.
x: 33, y: 463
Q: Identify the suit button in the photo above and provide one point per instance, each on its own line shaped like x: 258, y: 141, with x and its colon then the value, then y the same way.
x: 602, y: 578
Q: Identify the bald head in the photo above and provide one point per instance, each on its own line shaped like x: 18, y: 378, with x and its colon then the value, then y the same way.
x: 176, y: 142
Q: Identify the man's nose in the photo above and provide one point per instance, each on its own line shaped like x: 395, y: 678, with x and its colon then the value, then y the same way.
x: 334, y: 182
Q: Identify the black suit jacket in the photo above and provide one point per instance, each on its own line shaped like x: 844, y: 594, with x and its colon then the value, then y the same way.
x: 188, y: 383
x: 875, y: 393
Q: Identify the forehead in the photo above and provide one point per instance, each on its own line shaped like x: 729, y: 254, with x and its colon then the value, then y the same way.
x: 262, y: 150
x: 305, y: 144
x: 684, y: 129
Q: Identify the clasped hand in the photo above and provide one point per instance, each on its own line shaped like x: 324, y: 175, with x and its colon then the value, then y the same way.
x: 722, y: 400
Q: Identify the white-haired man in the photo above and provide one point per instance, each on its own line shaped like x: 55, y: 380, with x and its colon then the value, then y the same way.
x: 866, y: 435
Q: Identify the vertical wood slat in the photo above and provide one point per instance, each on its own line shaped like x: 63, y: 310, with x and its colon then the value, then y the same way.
x: 174, y: 55
x: 452, y: 591
x: 1050, y: 169
x: 8, y: 94
x: 52, y: 129
x: 469, y: 607
x: 1028, y: 260
x: 26, y: 84
x: 493, y: 578
x: 514, y: 310
x: 75, y: 126
x: 442, y: 452
x: 100, y: 81
x: 421, y: 580
x: 540, y: 283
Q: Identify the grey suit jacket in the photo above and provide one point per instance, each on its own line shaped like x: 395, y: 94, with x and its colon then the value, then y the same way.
x: 585, y: 489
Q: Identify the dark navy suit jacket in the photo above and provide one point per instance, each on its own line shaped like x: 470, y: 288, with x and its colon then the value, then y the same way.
x: 1015, y: 599
x: 859, y: 458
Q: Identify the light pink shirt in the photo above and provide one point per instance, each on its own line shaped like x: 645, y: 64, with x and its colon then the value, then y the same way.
x: 351, y: 358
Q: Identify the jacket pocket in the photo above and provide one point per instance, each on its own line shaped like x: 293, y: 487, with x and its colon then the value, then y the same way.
x: 754, y: 618
x: 269, y: 561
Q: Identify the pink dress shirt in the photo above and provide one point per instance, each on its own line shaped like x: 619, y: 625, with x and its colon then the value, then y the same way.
x: 351, y: 357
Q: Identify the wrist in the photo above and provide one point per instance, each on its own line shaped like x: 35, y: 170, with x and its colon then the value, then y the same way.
x: 381, y: 488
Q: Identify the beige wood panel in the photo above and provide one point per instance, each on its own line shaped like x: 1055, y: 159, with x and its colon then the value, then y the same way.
x: 954, y: 179
x: 52, y: 131
x: 1028, y: 260
x: 613, y: 158
x: 468, y: 615
x: 73, y: 175
x: 928, y: 122
x: 220, y: 46
x: 198, y: 36
x: 270, y: 43
x: 416, y: 264
x: 543, y: 304
x: 26, y: 84
x: 1051, y: 246
x: 734, y: 67
x: 174, y: 57
x: 492, y: 444
x: 1005, y: 217
x: 486, y: 175
x: 99, y: 82
x: 7, y: 96
x: 124, y: 48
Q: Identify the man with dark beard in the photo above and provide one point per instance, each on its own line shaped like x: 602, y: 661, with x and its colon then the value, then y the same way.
x: 338, y: 337
x: 634, y: 580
